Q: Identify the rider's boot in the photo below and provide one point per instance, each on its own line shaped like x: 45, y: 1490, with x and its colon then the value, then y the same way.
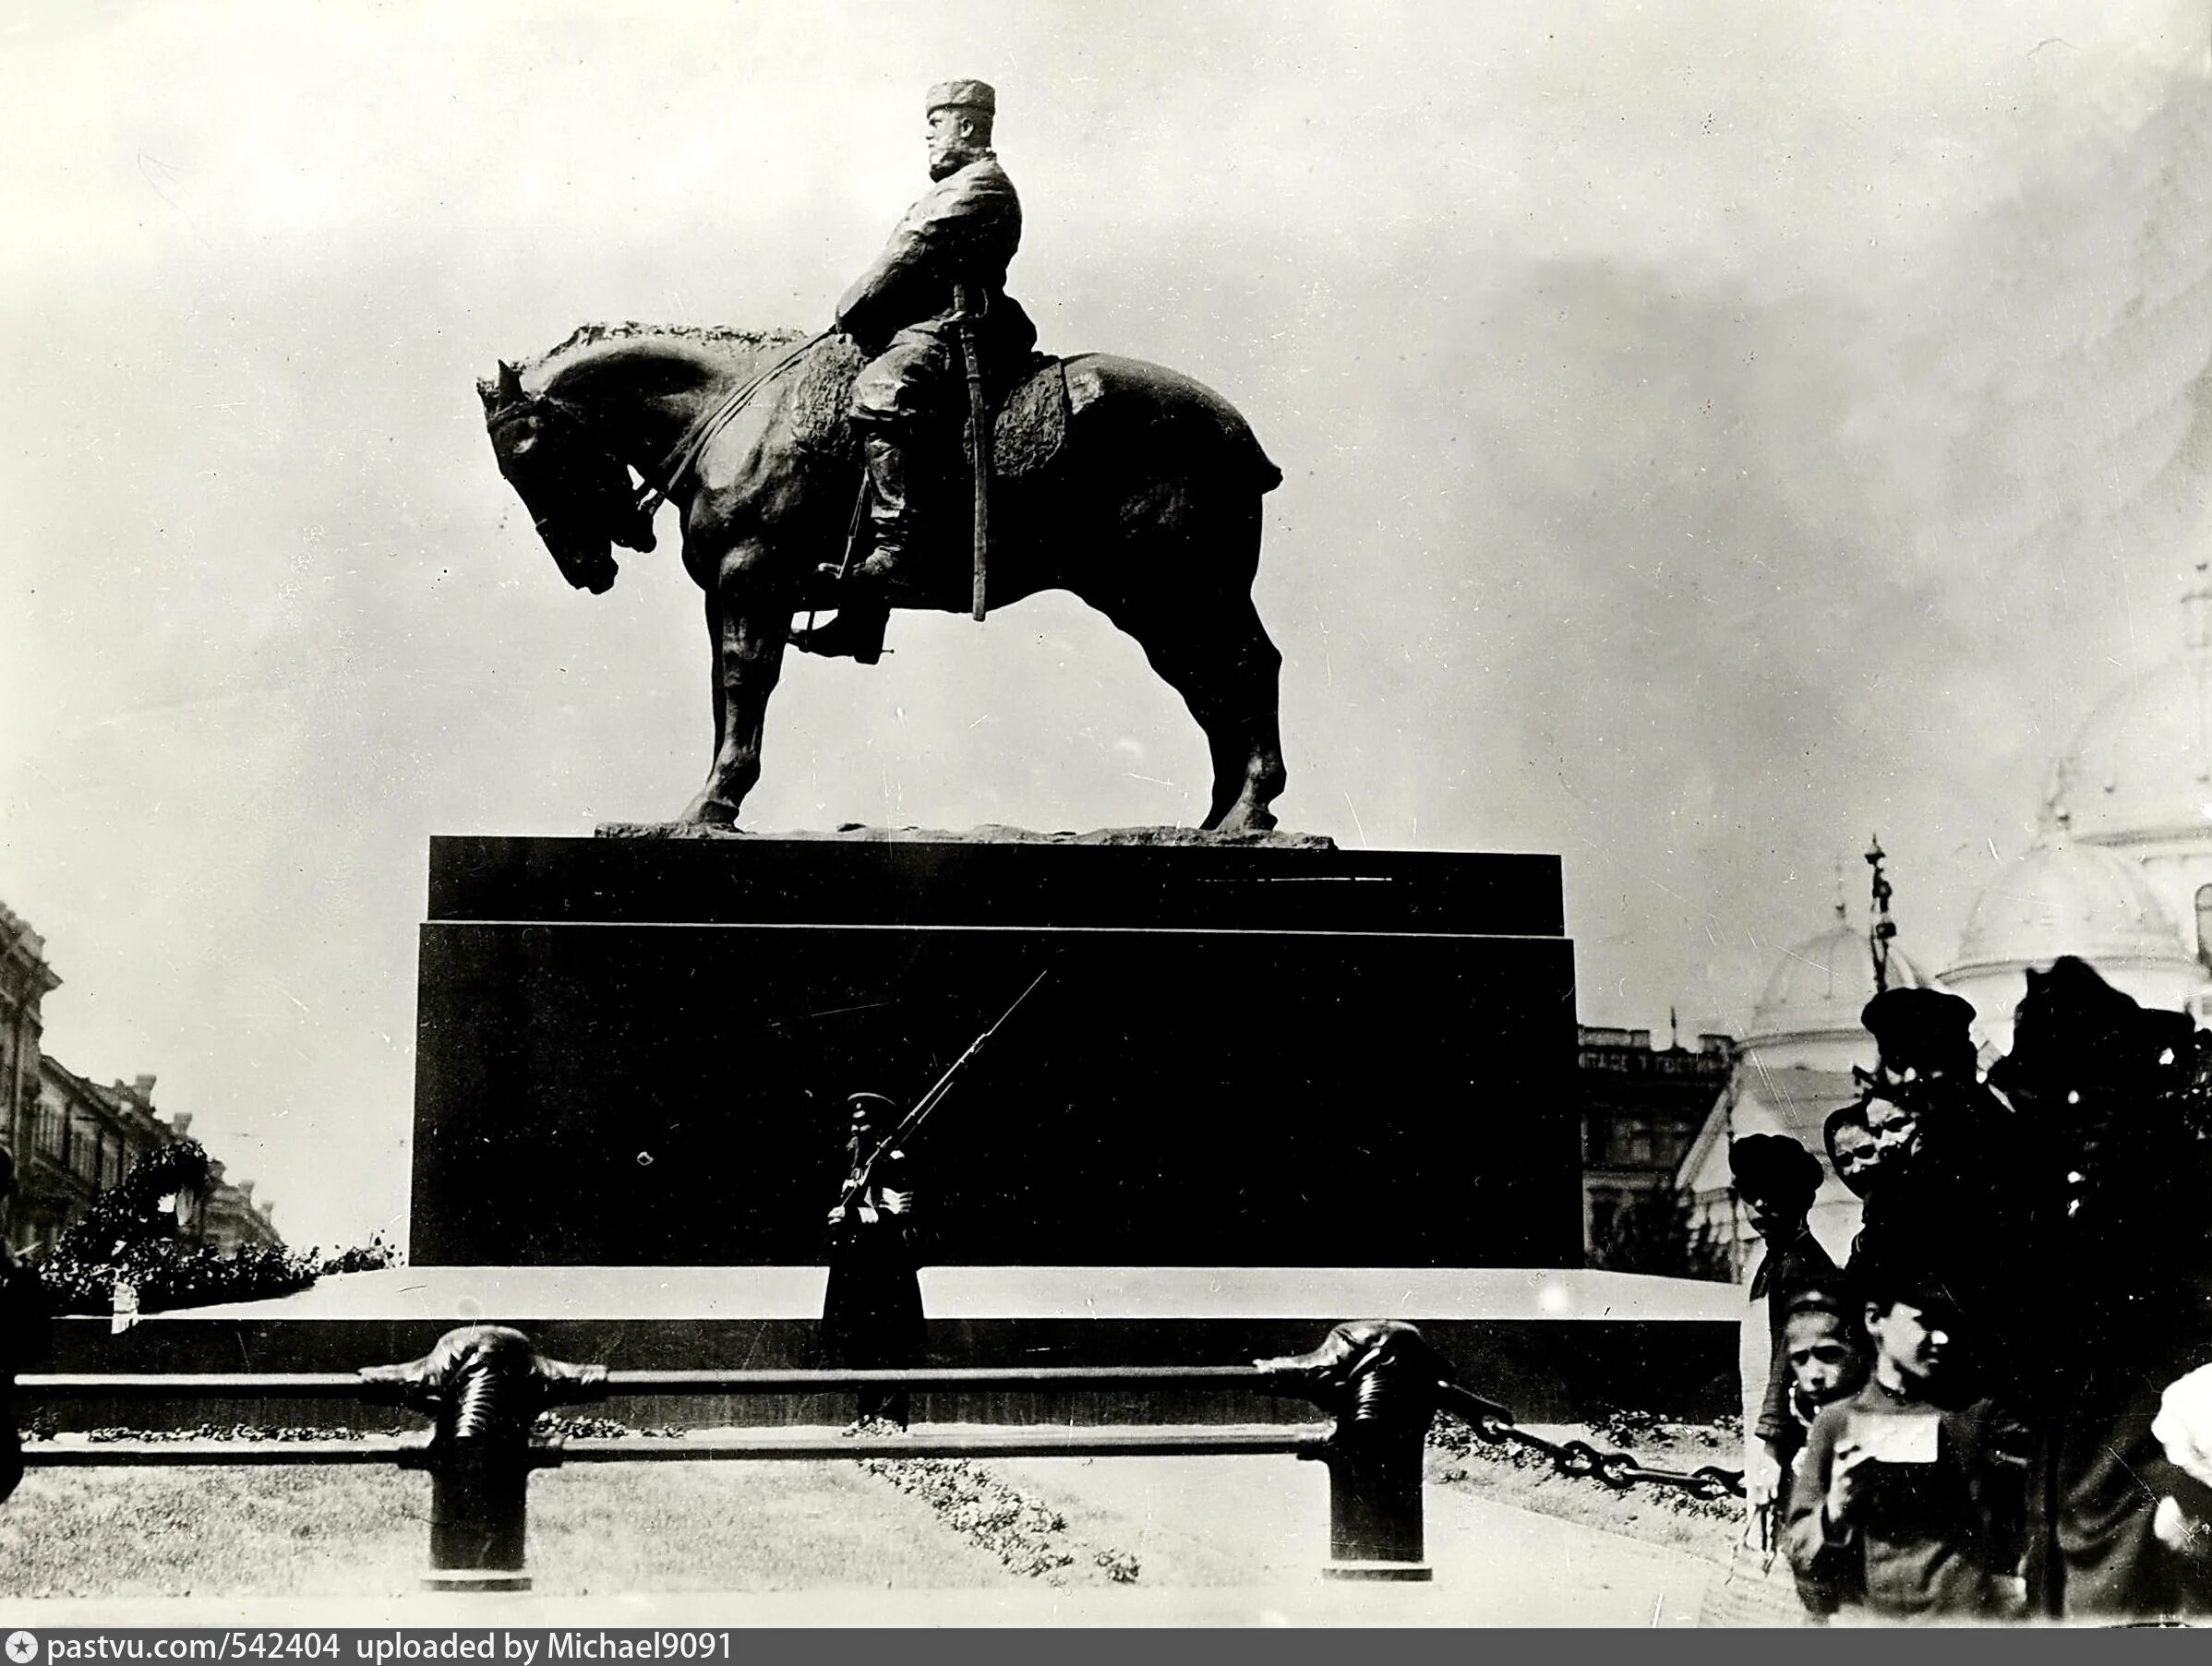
x: 890, y: 514
x: 856, y: 633
x: 862, y: 609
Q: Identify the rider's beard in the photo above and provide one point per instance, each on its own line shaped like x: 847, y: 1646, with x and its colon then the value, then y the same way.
x: 945, y: 163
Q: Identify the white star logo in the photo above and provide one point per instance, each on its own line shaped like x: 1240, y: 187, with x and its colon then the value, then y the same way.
x: 22, y: 1647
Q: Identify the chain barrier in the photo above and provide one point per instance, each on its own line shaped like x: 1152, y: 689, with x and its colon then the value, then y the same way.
x: 1619, y: 1470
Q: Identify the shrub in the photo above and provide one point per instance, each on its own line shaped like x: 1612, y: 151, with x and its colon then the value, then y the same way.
x: 129, y: 1237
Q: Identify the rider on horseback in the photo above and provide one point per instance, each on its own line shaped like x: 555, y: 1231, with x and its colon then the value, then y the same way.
x: 961, y: 234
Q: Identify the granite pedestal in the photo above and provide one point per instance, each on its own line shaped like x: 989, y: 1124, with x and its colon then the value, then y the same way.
x: 635, y: 1052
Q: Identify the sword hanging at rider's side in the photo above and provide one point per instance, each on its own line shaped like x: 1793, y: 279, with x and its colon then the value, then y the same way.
x: 967, y: 309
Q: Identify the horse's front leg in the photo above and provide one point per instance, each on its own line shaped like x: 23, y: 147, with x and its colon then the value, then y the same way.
x: 749, y: 659
x: 713, y: 678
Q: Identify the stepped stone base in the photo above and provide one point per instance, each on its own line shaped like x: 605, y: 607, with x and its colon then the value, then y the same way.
x: 1552, y: 1345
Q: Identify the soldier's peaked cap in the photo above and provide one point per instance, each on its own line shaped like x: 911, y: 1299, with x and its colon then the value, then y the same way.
x: 871, y: 1100
x: 963, y: 95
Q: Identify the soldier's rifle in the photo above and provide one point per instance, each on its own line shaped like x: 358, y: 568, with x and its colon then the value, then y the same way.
x: 910, y: 1124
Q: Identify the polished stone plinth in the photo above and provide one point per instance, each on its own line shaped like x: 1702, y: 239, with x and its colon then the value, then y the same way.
x: 1251, y: 1054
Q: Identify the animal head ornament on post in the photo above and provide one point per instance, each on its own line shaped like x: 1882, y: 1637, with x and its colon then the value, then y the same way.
x: 579, y: 494
x: 1383, y: 1383
x: 483, y: 1382
x: 484, y: 1385
x: 1375, y: 1374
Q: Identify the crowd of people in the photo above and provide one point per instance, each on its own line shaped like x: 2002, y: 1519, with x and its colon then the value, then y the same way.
x: 1999, y: 1405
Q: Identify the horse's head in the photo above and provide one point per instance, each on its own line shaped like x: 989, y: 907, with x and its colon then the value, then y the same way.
x: 578, y: 494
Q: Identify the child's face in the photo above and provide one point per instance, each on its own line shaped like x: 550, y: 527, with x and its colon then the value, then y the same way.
x: 1915, y: 1342
x: 1822, y: 1358
x: 1896, y: 1130
x: 1857, y: 1157
x: 1774, y: 1218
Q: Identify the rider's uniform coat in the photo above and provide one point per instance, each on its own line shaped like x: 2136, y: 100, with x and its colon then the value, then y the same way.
x: 964, y: 229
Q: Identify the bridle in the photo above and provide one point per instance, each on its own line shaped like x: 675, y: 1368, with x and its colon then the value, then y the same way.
x: 660, y: 484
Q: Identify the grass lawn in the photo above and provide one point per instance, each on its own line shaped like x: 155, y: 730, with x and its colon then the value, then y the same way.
x: 1169, y: 1524
x: 363, y: 1532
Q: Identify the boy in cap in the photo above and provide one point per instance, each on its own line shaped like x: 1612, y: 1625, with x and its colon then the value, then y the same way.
x: 1826, y: 1352
x: 1910, y: 1503
x: 1776, y: 1179
x: 1825, y: 1349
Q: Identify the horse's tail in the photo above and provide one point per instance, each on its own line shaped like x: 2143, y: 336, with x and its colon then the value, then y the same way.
x: 1201, y: 424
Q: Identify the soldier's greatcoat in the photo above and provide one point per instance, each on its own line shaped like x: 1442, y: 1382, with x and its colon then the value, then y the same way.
x: 871, y: 1317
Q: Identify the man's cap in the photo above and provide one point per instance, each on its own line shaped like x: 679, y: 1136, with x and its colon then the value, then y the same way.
x: 870, y: 1101
x: 1914, y: 1025
x: 1830, y: 1303
x: 963, y: 95
x: 1773, y: 1166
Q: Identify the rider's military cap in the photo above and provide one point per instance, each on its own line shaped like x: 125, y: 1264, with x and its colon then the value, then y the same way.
x: 870, y: 1101
x: 963, y: 95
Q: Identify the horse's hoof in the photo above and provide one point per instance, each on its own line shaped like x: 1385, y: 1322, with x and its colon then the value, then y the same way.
x: 1258, y: 820
x: 704, y: 811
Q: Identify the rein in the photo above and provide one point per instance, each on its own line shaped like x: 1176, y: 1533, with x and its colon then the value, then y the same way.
x: 680, y: 461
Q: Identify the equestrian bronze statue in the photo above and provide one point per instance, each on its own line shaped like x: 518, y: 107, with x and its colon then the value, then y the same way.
x: 830, y: 473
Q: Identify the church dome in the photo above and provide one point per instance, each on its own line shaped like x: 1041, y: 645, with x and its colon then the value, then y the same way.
x: 1820, y: 985
x: 2064, y: 897
x: 2141, y: 768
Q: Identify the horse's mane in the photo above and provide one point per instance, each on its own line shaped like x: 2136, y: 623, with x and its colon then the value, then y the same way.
x: 721, y: 340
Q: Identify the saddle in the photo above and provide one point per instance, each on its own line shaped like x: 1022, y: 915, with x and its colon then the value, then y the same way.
x: 1029, y: 410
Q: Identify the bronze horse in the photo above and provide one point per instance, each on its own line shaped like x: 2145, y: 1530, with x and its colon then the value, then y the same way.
x: 1150, y: 512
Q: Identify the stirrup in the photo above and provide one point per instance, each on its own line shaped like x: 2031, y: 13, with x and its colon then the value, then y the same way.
x: 846, y: 637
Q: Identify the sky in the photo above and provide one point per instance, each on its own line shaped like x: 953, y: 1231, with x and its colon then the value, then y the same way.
x: 1713, y: 433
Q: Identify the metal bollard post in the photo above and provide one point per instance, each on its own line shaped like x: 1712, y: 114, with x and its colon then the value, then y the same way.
x: 1379, y: 1379
x: 484, y: 1385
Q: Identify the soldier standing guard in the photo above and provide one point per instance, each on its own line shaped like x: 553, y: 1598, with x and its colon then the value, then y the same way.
x: 871, y: 1317
x: 951, y: 247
